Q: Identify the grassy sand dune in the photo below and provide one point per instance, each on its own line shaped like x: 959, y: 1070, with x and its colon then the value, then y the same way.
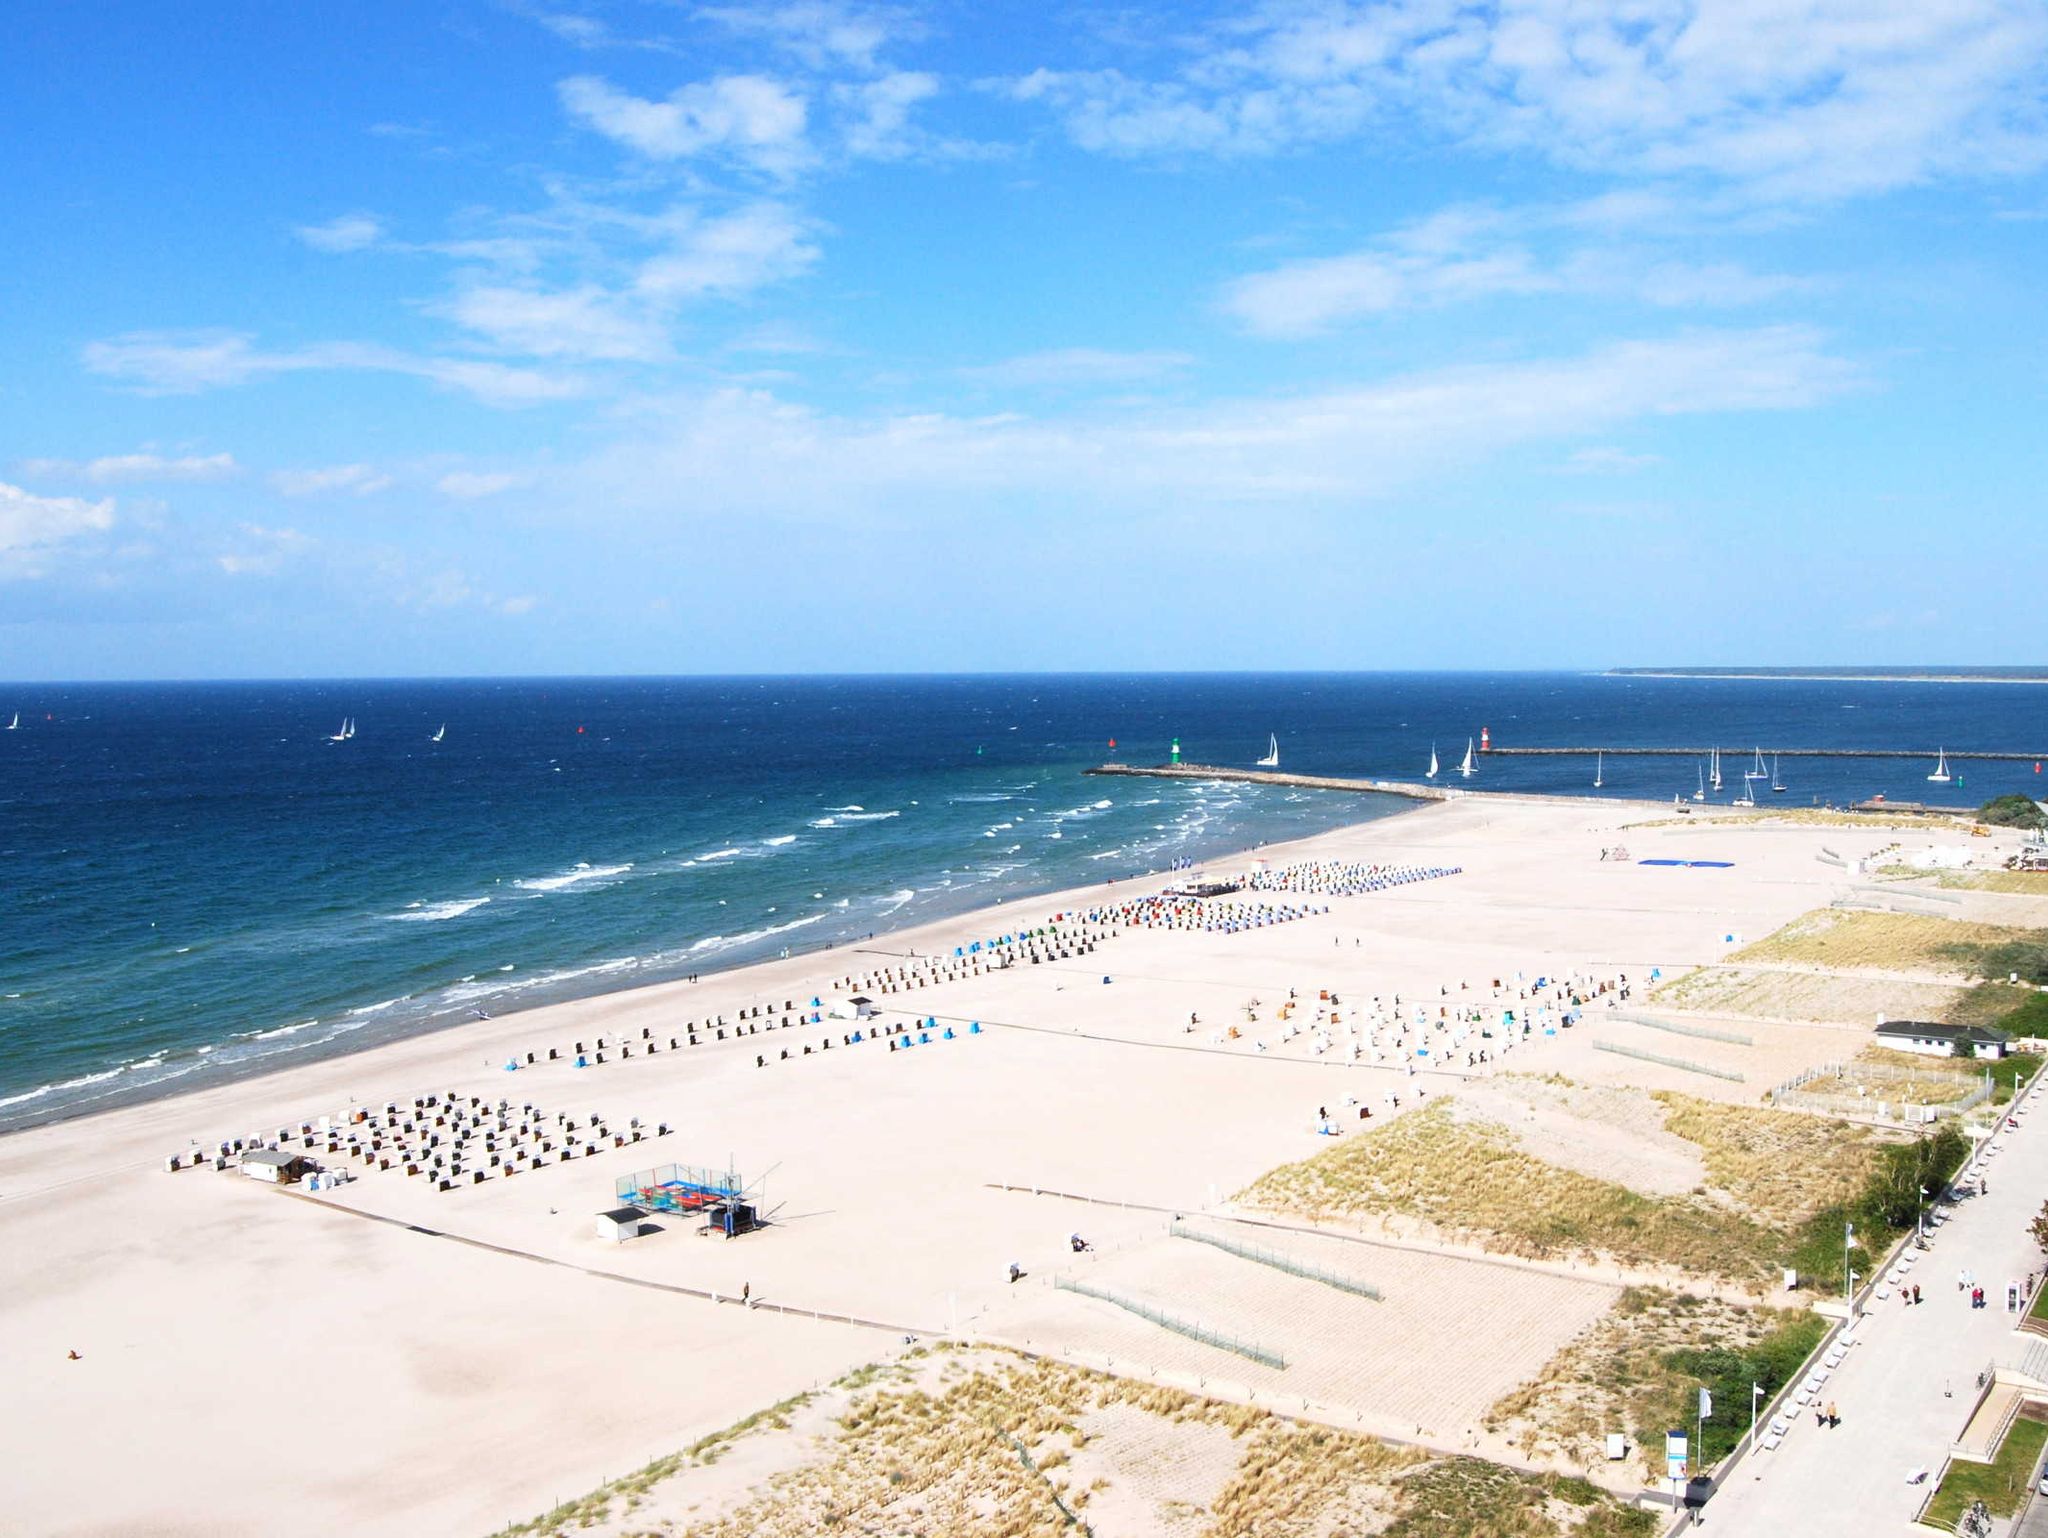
x: 1800, y: 996
x: 986, y: 1444
x: 1767, y: 1173
x: 1897, y: 942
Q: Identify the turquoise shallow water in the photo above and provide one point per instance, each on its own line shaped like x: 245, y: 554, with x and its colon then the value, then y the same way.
x: 199, y: 883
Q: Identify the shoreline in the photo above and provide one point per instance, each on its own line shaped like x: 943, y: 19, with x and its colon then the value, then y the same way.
x: 339, y: 1049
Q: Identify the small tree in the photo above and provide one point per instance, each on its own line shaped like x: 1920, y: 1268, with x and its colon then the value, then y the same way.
x: 2039, y: 1227
x: 2012, y: 812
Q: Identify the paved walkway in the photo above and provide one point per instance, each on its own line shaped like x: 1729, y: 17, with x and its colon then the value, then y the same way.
x: 1907, y: 1391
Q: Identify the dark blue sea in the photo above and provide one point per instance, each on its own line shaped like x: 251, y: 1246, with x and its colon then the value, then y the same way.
x: 199, y: 883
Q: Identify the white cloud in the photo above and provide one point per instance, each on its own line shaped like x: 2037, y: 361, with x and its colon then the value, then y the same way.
x: 819, y: 33
x: 880, y: 129
x: 361, y: 480
x: 728, y: 255
x: 469, y: 485
x: 184, y: 363
x: 750, y: 117
x: 738, y: 450
x: 1813, y: 98
x: 1606, y: 460
x: 1082, y: 366
x: 347, y: 232
x: 115, y: 469
x: 575, y: 323
x: 262, y: 552
x: 1464, y: 254
x: 34, y: 529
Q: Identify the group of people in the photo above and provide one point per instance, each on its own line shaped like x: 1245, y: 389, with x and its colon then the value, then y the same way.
x: 1403, y: 1033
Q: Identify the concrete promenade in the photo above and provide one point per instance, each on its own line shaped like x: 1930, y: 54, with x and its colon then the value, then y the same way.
x: 1906, y: 1392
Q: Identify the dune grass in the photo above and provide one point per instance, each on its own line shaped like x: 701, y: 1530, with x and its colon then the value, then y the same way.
x: 985, y: 1444
x: 1838, y: 937
x: 1768, y: 1173
x: 1775, y: 995
x: 2022, y: 883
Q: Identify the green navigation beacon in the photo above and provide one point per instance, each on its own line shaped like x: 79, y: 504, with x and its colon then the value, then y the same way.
x: 1176, y: 751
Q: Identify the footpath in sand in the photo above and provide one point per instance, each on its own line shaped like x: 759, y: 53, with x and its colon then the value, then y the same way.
x: 254, y: 1361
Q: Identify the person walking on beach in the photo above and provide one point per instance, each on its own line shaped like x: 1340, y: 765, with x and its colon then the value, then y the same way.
x: 1834, y: 1415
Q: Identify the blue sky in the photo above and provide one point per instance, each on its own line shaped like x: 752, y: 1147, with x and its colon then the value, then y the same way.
x: 425, y: 338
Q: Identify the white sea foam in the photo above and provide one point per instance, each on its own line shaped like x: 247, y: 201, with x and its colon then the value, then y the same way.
x: 429, y: 913
x: 826, y: 822
x: 868, y: 816
x: 854, y: 808
x: 896, y: 899
x: 776, y: 843
x: 582, y: 872
x: 719, y: 854
x: 748, y: 937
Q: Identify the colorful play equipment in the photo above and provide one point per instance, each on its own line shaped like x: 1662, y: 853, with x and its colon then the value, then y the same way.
x: 719, y: 1197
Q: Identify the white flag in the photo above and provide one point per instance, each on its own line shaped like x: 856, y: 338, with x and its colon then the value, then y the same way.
x: 1706, y: 1405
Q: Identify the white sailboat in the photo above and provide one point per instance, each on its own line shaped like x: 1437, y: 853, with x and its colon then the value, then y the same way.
x: 1701, y: 793
x: 1270, y: 761
x: 1599, y: 769
x: 1757, y: 771
x: 1714, y: 769
x: 1432, y: 763
x: 351, y: 727
x: 1941, y: 776
x: 341, y: 733
x: 15, y: 724
x: 1467, y: 767
x: 440, y: 732
x: 1777, y: 780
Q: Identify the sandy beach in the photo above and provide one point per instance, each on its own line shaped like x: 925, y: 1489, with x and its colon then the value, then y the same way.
x: 387, y: 1357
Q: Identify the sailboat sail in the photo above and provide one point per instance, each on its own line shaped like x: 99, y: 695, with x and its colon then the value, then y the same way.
x: 1701, y: 793
x: 440, y: 731
x: 1466, y: 768
x: 1714, y: 774
x: 1599, y: 769
x: 1941, y: 776
x: 1777, y: 780
x: 1757, y: 771
x: 1432, y: 763
x: 15, y: 724
x: 1272, y: 758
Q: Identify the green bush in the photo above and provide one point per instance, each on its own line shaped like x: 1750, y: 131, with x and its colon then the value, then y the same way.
x: 1727, y: 1375
x: 2012, y: 812
x: 1887, y: 1206
x: 2028, y: 958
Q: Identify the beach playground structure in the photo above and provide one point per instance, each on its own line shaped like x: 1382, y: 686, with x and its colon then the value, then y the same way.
x: 720, y: 1198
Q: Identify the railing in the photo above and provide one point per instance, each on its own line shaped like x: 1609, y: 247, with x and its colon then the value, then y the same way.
x: 1277, y: 1261
x: 1793, y: 1091
x: 1165, y: 1321
x: 1681, y: 1063
x: 1681, y: 1028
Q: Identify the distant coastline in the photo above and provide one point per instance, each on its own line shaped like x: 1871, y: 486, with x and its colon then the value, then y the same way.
x: 1847, y: 675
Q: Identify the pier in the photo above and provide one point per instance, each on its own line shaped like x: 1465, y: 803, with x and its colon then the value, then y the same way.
x: 1416, y: 790
x: 1749, y: 748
